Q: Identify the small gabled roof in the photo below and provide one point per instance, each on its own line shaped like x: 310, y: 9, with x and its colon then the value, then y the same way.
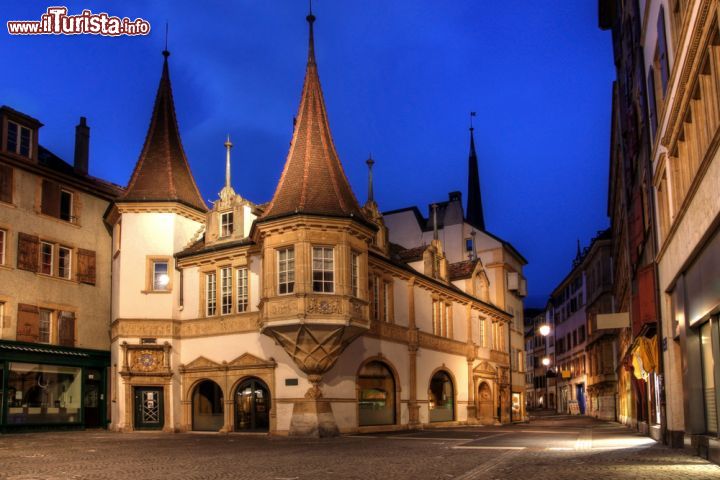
x: 162, y: 173
x: 313, y: 180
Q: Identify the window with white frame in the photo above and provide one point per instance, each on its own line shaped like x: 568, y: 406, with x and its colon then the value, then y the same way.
x: 210, y: 294
x: 18, y: 139
x: 64, y: 262
x: 286, y: 270
x: 46, y: 258
x: 225, y: 291
x: 66, y: 205
x: 44, y: 326
x: 226, y: 224
x: 3, y: 242
x: 355, y: 274
x: 323, y: 270
x: 242, y: 290
x: 160, y: 275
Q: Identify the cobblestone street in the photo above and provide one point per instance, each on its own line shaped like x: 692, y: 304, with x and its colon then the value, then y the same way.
x: 555, y: 448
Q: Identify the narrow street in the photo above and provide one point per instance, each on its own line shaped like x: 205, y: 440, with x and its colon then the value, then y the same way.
x: 547, y: 448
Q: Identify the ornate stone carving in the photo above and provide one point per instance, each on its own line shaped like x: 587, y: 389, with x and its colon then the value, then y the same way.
x: 322, y: 306
x: 145, y: 360
x: 282, y: 308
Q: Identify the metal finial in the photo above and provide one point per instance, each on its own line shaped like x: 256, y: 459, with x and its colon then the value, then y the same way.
x: 435, y: 225
x: 370, y: 162
x: 166, y: 52
x: 472, y: 114
x: 228, y: 146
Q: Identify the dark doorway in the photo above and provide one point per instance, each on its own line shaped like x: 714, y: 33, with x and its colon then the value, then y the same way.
x: 207, y: 407
x: 252, y: 406
x: 149, y: 413
x: 92, y: 398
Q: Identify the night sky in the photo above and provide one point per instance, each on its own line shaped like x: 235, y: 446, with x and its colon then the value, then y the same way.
x: 399, y: 79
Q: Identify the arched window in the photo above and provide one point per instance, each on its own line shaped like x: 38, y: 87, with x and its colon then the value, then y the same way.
x: 207, y: 407
x: 441, y: 398
x: 376, y: 385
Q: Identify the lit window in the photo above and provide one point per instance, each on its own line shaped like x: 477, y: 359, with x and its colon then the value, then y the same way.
x: 66, y: 203
x: 210, y: 294
x: 242, y: 290
x: 18, y: 139
x: 286, y: 270
x: 225, y: 290
x: 44, y: 325
x: 3, y: 236
x: 64, y: 262
x: 46, y: 258
x: 161, y: 277
x: 354, y: 274
x: 323, y: 270
x: 226, y: 224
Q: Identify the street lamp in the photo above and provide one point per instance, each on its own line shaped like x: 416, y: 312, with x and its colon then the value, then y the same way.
x: 545, y: 331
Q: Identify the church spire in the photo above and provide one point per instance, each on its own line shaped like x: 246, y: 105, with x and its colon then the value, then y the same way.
x: 227, y: 192
x: 474, y: 206
x: 313, y: 180
x: 162, y: 173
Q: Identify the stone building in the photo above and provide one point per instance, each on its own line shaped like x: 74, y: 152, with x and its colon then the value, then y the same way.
x: 682, y: 64
x: 54, y: 282
x: 310, y: 314
x: 631, y: 206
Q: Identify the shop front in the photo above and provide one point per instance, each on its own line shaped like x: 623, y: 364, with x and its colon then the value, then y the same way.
x: 47, y: 386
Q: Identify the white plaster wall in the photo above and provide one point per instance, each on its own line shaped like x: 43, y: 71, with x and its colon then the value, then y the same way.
x: 423, y: 310
x: 191, y: 297
x: 254, y: 281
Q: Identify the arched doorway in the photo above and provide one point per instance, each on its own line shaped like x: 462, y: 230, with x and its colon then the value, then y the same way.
x: 441, y: 398
x: 207, y: 407
x: 376, y: 402
x: 485, y: 404
x: 252, y: 406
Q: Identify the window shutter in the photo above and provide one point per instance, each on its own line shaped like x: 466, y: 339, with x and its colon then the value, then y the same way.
x: 646, y: 287
x: 6, y: 183
x: 28, y: 323
x: 28, y: 251
x: 86, y: 266
x: 66, y: 329
x: 662, y: 50
x: 652, y: 104
x: 50, y: 198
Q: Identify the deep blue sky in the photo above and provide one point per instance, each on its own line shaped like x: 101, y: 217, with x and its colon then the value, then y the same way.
x: 399, y: 79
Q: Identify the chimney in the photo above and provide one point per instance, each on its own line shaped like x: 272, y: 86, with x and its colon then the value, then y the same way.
x: 82, y: 147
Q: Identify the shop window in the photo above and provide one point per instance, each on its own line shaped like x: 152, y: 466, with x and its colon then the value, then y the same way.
x: 441, y: 401
x: 43, y: 394
x: 242, y: 290
x: 210, y: 294
x: 376, y: 387
x: 323, y: 270
x: 286, y: 270
x: 225, y: 291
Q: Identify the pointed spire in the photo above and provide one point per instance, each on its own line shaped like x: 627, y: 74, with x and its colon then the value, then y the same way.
x: 371, y: 195
x: 313, y: 180
x: 474, y: 206
x: 162, y: 173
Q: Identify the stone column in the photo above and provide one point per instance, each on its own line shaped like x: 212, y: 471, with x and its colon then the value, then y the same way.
x: 472, y: 404
x: 227, y: 415
x: 312, y: 416
x: 413, y: 406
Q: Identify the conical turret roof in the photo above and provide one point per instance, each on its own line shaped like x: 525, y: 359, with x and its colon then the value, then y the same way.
x: 162, y: 173
x: 313, y: 180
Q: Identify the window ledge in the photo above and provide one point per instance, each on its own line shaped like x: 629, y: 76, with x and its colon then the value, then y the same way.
x: 147, y: 292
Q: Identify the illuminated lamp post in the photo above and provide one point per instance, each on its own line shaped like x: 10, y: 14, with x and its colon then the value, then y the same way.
x: 545, y: 331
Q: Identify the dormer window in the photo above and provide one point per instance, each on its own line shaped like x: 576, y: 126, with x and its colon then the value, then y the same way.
x: 18, y: 139
x: 226, y: 224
